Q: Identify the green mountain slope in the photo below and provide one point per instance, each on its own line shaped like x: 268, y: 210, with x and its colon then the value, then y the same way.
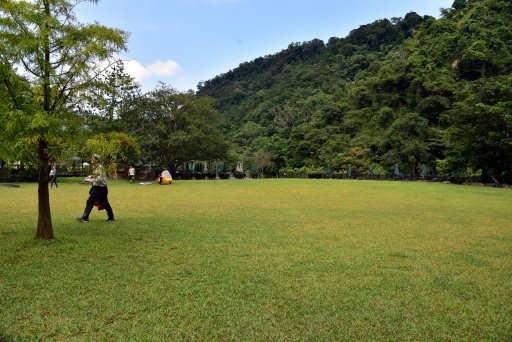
x: 417, y: 92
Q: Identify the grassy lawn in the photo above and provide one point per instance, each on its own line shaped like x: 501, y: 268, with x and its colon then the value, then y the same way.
x: 262, y: 260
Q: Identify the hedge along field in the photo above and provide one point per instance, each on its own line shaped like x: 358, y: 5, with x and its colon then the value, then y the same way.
x: 285, y: 260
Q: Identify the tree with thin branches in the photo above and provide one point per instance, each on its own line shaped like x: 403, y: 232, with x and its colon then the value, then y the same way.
x: 47, y: 60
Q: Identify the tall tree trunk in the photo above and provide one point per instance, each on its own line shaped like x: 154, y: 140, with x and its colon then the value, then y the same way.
x: 44, y: 222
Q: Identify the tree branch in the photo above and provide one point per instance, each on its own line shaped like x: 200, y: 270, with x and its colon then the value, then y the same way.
x: 11, y: 92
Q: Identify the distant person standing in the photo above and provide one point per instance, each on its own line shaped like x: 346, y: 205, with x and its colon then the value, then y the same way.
x: 53, y: 177
x: 131, y: 174
x: 98, y: 192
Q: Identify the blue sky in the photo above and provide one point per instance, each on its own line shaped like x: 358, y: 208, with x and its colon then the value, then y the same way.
x: 184, y: 42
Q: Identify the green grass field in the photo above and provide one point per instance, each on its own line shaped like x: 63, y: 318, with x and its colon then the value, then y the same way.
x: 260, y: 260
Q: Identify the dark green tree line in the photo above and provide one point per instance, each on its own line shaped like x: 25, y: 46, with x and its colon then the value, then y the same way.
x: 173, y: 127
x: 411, y: 91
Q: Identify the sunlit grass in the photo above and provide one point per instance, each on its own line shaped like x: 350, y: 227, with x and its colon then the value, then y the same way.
x: 260, y: 260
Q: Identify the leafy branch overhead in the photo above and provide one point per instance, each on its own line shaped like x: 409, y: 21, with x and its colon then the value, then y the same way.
x: 47, y: 62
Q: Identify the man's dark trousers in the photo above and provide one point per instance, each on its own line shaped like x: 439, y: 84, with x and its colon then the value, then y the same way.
x: 98, y: 193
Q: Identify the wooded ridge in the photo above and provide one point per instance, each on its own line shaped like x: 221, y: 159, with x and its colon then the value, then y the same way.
x: 417, y: 92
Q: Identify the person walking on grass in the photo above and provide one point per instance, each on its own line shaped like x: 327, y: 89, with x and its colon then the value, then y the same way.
x: 53, y: 177
x: 131, y: 174
x: 98, y: 193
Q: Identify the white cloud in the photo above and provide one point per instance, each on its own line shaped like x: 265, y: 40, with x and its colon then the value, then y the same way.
x: 166, y: 68
x: 142, y: 72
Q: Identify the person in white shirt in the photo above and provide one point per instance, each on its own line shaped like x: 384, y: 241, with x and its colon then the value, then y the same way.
x: 53, y: 177
x: 131, y: 173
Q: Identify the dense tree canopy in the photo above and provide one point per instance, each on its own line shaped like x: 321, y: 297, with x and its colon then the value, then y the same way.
x: 414, y: 91
x: 174, y: 127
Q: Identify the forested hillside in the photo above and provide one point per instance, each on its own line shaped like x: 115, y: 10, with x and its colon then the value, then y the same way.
x: 427, y: 95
